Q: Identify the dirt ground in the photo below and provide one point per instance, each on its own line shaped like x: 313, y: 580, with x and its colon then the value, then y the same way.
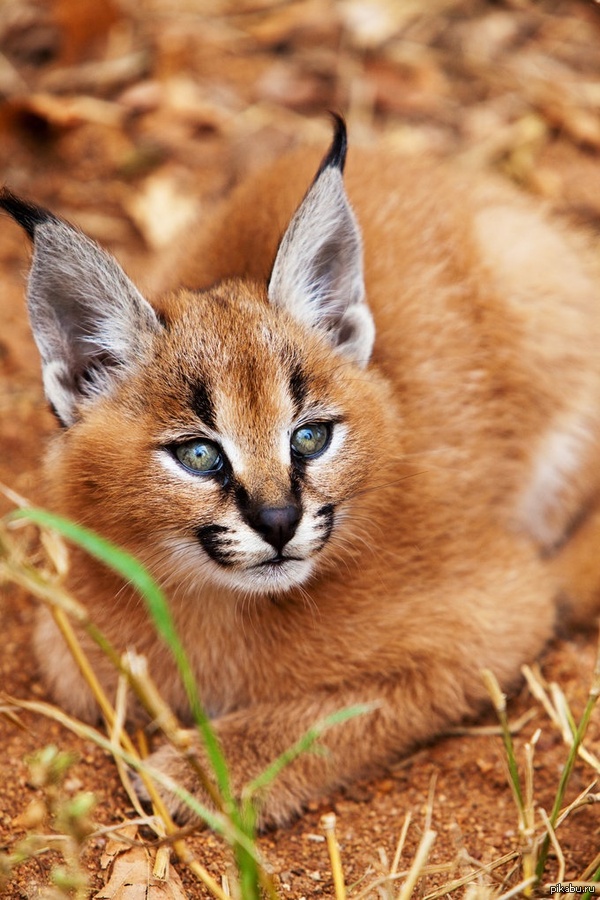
x: 130, y: 119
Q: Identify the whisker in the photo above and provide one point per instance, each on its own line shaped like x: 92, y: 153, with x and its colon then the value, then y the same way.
x: 386, y: 484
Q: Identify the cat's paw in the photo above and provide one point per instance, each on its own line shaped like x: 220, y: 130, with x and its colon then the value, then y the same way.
x: 171, y: 763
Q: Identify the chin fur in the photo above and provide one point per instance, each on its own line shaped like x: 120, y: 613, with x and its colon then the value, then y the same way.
x: 183, y: 566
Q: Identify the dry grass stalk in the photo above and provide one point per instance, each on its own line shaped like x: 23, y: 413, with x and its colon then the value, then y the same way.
x: 555, y: 844
x: 556, y: 714
x: 91, y: 734
x: 400, y: 844
x: 328, y: 825
x: 416, y: 870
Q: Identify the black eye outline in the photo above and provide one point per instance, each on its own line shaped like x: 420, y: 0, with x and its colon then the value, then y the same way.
x: 328, y: 426
x: 217, y: 466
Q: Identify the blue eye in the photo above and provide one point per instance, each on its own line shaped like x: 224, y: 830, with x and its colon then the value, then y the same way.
x: 311, y: 439
x: 199, y: 456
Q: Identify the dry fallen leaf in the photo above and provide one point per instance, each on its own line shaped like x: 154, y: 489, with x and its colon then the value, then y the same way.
x: 84, y: 26
x: 311, y: 22
x: 161, y: 210
x: 69, y: 112
x: 130, y: 872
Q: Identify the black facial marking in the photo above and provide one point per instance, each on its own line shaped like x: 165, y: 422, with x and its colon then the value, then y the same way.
x: 215, y: 545
x: 25, y: 214
x: 298, y: 386
x: 336, y: 155
x: 297, y: 474
x: 242, y: 498
x: 202, y: 404
x: 326, y: 513
x: 326, y: 510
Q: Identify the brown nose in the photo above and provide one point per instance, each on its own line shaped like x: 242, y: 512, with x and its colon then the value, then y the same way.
x: 277, y: 524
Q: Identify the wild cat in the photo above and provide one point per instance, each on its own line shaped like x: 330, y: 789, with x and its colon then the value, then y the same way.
x: 360, y: 475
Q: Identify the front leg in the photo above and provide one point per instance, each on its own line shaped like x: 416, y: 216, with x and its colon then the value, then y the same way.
x: 403, y: 713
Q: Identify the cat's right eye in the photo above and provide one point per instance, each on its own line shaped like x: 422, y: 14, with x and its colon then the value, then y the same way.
x: 199, y: 456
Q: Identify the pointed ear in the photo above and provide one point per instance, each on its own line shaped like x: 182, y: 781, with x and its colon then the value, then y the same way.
x: 318, y: 273
x: 89, y: 321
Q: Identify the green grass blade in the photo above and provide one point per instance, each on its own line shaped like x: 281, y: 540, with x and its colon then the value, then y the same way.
x: 499, y: 702
x: 304, y: 744
x: 137, y: 575
x: 590, y: 891
x: 567, y: 771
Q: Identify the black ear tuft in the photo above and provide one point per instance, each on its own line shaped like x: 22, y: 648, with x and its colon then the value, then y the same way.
x: 336, y: 155
x: 25, y: 214
x: 317, y: 275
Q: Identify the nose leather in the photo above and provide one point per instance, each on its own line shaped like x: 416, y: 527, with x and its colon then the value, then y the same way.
x: 277, y: 524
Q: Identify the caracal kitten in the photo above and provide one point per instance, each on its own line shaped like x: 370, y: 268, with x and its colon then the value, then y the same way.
x: 358, y: 445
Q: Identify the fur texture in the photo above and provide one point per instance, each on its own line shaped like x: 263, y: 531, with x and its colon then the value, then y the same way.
x: 335, y: 520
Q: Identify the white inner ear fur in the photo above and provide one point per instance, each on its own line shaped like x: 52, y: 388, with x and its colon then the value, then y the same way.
x: 87, y: 317
x: 318, y: 271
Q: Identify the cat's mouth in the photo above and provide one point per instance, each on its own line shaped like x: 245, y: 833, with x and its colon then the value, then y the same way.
x: 278, y: 560
x: 278, y: 574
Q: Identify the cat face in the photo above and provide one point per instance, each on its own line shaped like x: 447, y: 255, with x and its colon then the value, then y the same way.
x: 232, y: 452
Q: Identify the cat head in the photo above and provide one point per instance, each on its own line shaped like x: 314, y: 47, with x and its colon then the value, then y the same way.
x: 224, y: 439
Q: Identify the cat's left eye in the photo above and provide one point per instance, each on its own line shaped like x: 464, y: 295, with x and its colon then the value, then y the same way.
x: 199, y: 456
x: 310, y: 440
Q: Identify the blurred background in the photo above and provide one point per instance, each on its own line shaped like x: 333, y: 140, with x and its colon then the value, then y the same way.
x: 128, y: 115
